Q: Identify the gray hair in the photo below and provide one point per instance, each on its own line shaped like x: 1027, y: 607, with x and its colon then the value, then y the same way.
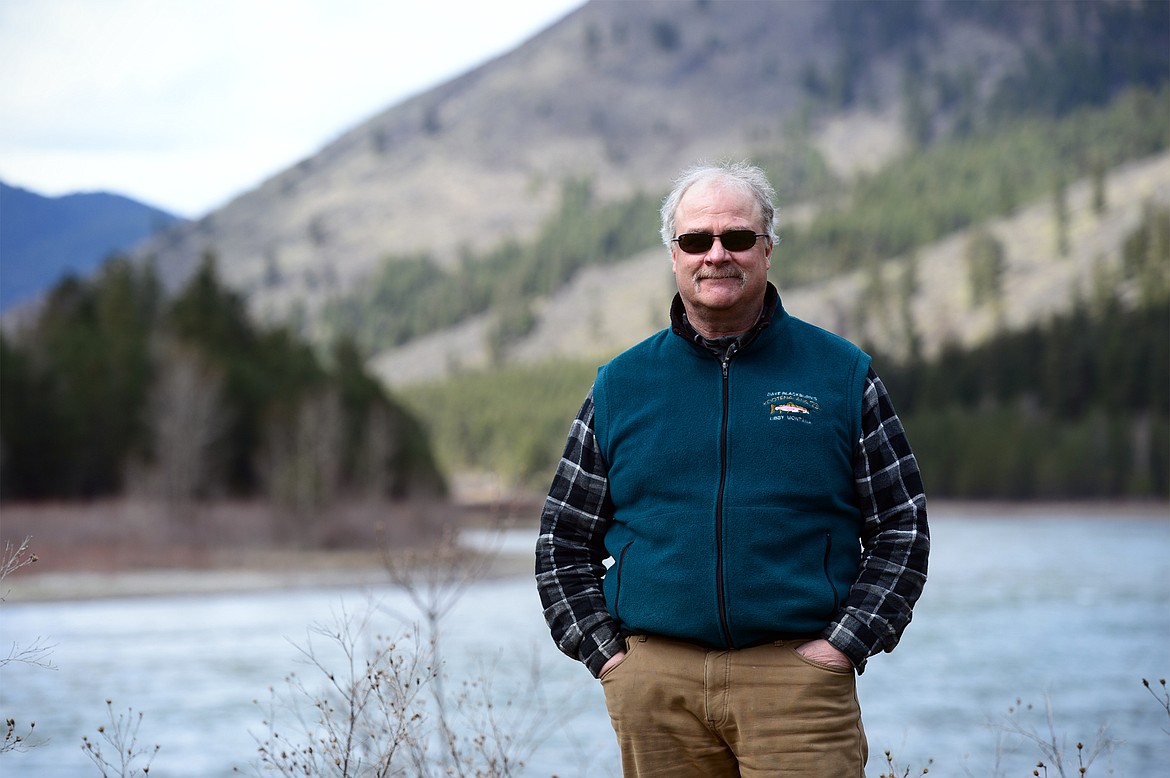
x: 749, y: 178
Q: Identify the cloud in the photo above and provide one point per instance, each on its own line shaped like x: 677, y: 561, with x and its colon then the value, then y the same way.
x: 184, y: 103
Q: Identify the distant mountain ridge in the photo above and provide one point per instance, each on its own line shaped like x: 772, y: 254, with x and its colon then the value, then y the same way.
x: 43, y: 239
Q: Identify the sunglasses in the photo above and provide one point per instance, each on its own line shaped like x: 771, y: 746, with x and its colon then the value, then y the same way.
x: 732, y: 240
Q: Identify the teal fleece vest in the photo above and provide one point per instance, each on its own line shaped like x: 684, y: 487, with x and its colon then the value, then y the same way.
x: 734, y: 515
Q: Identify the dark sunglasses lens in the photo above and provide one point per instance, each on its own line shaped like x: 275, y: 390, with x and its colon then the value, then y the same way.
x: 695, y: 242
x: 738, y: 240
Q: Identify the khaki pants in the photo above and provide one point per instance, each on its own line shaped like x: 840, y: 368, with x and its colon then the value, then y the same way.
x: 681, y: 710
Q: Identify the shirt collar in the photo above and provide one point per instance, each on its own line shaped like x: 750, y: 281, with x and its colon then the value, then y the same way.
x: 681, y: 325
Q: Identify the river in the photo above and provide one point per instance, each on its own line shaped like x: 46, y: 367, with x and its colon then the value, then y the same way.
x: 1060, y: 609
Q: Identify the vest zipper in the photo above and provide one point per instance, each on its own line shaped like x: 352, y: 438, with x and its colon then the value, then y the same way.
x: 719, y: 589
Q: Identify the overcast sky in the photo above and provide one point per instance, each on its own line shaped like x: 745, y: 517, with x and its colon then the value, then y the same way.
x: 184, y: 104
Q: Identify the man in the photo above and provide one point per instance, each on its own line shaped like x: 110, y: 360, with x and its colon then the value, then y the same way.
x: 750, y: 480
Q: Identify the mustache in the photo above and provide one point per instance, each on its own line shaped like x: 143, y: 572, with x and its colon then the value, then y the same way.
x: 705, y: 273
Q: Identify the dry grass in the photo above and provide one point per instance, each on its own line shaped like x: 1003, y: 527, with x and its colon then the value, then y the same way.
x: 115, y: 535
x: 126, y: 547
x: 142, y: 533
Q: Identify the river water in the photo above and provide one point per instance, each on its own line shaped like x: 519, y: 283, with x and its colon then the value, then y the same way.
x: 1061, y: 610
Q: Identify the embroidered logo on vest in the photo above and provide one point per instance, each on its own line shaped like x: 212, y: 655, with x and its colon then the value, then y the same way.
x: 792, y: 406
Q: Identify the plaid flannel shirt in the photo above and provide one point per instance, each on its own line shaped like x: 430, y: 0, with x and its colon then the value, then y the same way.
x: 570, y: 552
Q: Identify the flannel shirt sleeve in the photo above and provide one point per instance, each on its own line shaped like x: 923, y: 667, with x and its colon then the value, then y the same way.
x: 570, y: 550
x: 895, y: 539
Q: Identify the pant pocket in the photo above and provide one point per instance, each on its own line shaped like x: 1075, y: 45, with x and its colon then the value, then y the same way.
x: 632, y: 644
x: 834, y: 669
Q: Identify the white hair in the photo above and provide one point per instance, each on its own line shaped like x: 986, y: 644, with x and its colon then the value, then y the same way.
x: 750, y: 178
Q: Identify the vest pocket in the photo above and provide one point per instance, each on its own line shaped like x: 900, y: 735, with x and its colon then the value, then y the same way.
x: 617, y: 589
x: 829, y: 574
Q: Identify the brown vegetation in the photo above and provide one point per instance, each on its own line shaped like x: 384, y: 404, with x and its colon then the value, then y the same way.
x: 127, y: 535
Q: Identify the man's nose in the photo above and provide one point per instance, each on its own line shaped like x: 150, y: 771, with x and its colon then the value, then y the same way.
x: 717, y: 254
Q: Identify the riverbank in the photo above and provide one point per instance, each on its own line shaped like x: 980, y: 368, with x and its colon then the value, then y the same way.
x: 133, y: 548
x: 256, y: 572
x: 83, y: 557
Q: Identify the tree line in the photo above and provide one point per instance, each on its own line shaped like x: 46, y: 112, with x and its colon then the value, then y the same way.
x: 117, y: 388
x: 1074, y: 408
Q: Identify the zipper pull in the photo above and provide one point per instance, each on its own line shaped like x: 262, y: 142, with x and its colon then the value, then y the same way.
x: 727, y: 355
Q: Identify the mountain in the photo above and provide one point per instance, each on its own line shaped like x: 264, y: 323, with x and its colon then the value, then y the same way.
x: 621, y: 95
x: 43, y: 239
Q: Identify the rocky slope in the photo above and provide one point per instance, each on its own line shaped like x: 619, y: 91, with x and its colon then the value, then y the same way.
x: 606, y: 309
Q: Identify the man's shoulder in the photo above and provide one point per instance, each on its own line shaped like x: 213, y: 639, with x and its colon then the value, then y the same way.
x: 643, y: 348
x: 819, y: 336
x: 639, y: 363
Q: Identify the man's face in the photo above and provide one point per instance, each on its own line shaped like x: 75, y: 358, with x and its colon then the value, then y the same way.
x: 720, y: 288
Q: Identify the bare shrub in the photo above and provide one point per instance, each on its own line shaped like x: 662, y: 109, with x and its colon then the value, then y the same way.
x: 1052, y: 746
x: 1163, y: 698
x: 1055, y: 752
x: 17, y: 738
x: 121, y: 738
x: 366, y: 720
x: 377, y: 706
x: 893, y: 770
x: 385, y: 706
